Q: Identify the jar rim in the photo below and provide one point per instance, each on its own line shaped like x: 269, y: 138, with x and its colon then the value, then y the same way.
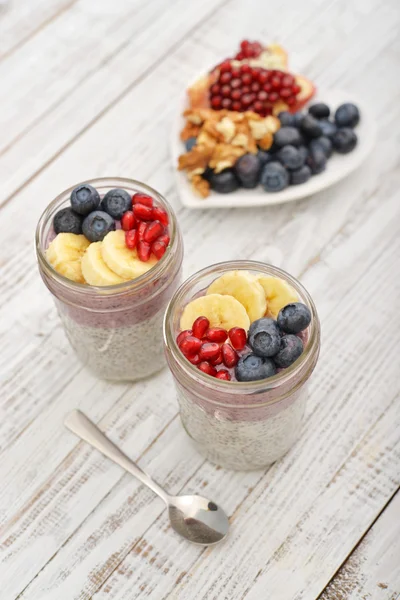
x: 119, y: 288
x: 304, y: 363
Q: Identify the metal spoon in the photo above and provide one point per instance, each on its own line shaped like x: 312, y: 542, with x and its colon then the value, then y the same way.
x: 195, y: 518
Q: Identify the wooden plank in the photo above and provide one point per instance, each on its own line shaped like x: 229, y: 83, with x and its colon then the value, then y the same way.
x: 372, y: 570
x: 21, y: 20
x: 345, y: 433
x: 68, y: 89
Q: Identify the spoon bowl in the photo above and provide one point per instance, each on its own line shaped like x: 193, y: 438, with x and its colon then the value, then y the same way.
x: 198, y: 519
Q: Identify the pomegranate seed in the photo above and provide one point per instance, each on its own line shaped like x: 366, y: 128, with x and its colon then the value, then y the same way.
x: 143, y: 212
x: 216, y: 334
x: 244, y: 44
x: 262, y: 96
x: 263, y: 77
x: 195, y: 360
x: 291, y: 101
x: 227, y: 103
x: 235, y: 73
x: 131, y: 238
x: 128, y: 220
x: 209, y: 350
x: 229, y: 355
x: 247, y: 78
x: 255, y: 87
x: 245, y: 68
x: 158, y: 249
x: 183, y: 335
x: 235, y: 83
x: 236, y: 94
x: 285, y: 93
x: 200, y: 326
x: 267, y: 87
x: 144, y: 199
x: 238, y: 337
x: 190, y: 345
x: 226, y: 91
x: 224, y: 375
x: 287, y: 80
x: 258, y: 106
x: 216, y: 102
x: 296, y: 89
x: 207, y: 368
x: 225, y: 77
x: 215, y: 89
x: 141, y: 230
x: 153, y: 231
x: 273, y: 97
x: 161, y: 215
x: 217, y: 360
x: 164, y: 239
x: 225, y: 66
x: 275, y: 82
x: 236, y: 105
x: 246, y: 90
x: 240, y: 56
x: 247, y: 99
x: 144, y: 251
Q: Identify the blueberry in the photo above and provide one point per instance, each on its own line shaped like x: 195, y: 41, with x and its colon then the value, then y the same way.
x: 347, y: 115
x: 116, y: 202
x: 84, y: 199
x: 344, y: 140
x: 265, y: 157
x: 67, y: 221
x: 247, y: 169
x: 301, y: 175
x: 96, y: 225
x: 328, y: 128
x: 264, y: 337
x: 316, y: 160
x: 287, y: 135
x: 319, y: 110
x: 324, y: 143
x: 254, y: 368
x: 304, y: 152
x: 207, y: 174
x: 310, y: 127
x: 224, y: 182
x: 297, y: 118
x: 291, y: 349
x: 294, y: 317
x: 286, y: 119
x: 190, y: 143
x: 291, y: 157
x: 274, y: 177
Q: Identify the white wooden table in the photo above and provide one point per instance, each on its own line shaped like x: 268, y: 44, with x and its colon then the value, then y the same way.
x: 87, y: 89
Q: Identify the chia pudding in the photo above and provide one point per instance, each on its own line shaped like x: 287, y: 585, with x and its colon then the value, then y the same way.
x: 110, y: 251
x: 242, y: 339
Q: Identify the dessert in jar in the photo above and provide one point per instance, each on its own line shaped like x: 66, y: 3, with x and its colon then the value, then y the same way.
x: 110, y: 252
x: 242, y: 339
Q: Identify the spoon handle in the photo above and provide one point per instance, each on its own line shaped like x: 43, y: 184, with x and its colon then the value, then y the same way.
x: 83, y: 427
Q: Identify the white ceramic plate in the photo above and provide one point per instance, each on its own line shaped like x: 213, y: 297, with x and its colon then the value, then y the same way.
x: 338, y: 167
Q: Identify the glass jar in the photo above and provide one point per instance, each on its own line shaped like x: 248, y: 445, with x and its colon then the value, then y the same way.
x: 116, y: 330
x: 240, y: 425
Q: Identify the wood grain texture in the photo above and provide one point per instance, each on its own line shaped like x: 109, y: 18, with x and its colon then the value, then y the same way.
x: 73, y: 526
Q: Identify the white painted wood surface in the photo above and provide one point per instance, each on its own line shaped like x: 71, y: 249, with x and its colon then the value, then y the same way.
x: 88, y: 89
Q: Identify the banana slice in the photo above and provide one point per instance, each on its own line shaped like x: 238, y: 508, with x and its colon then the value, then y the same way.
x: 245, y: 289
x: 221, y: 311
x: 65, y: 255
x: 95, y: 270
x: 278, y: 293
x: 122, y: 260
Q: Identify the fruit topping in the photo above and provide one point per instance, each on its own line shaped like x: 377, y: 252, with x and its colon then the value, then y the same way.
x: 277, y: 292
x: 190, y: 345
x: 207, y: 369
x: 223, y: 374
x: 294, y: 317
x: 319, y: 110
x: 247, y: 169
x: 159, y: 214
x: 116, y: 202
x: 216, y: 334
x: 128, y: 221
x: 290, y: 350
x: 244, y: 288
x: 200, y: 326
x: 344, y: 140
x: 94, y: 269
x: 143, y: 212
x: 67, y: 221
x: 158, y: 248
x: 254, y: 368
x: 183, y: 334
x: 229, y: 355
x: 264, y: 337
x: 65, y: 255
x: 84, y: 199
x: 221, y: 311
x: 143, y: 250
x: 224, y: 182
x: 274, y: 177
x: 131, y: 238
x: 347, y: 115
x: 97, y: 224
x: 238, y: 338
x: 153, y: 231
x: 209, y: 351
x: 123, y: 260
x: 140, y: 198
